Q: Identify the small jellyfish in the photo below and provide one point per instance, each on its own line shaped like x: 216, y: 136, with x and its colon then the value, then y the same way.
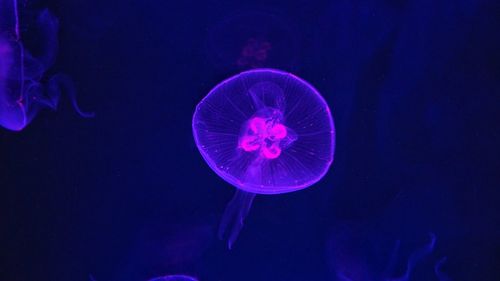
x: 264, y: 131
x: 22, y: 93
x: 252, y: 40
x: 174, y: 278
x: 254, y: 53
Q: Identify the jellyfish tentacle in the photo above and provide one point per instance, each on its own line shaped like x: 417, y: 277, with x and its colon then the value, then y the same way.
x: 56, y: 85
x: 9, y: 23
x: 417, y: 256
x: 234, y: 215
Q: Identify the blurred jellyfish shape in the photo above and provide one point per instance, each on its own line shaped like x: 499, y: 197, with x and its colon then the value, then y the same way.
x: 414, y: 258
x: 352, y: 261
x: 174, y: 247
x: 252, y: 40
x: 22, y: 94
x: 174, y: 278
x: 264, y: 131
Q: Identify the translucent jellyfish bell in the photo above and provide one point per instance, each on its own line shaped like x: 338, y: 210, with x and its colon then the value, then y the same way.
x: 264, y: 131
x: 22, y: 94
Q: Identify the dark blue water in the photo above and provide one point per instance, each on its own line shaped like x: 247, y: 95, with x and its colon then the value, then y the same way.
x: 414, y: 91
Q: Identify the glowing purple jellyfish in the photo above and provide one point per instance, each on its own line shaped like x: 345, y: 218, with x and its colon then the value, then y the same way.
x: 22, y: 94
x: 174, y: 278
x: 264, y: 131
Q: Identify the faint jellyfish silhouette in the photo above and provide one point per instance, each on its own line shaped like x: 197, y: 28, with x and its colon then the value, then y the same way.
x: 254, y: 53
x: 264, y: 131
x: 174, y: 278
x: 414, y: 258
x: 171, y: 247
x: 252, y: 40
x: 353, y: 262
x: 22, y: 94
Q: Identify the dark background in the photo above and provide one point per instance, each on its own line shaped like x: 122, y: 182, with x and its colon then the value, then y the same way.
x: 414, y: 90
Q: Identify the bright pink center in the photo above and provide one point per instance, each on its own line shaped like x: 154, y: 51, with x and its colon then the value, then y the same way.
x: 264, y: 136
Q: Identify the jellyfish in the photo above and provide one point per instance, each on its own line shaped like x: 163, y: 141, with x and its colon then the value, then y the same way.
x: 359, y: 255
x: 176, y: 247
x: 439, y: 273
x: 254, y: 53
x: 264, y: 131
x: 22, y: 93
x: 174, y: 278
x: 252, y: 40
